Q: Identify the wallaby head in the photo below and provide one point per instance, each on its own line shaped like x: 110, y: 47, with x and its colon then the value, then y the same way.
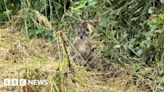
x: 81, y: 30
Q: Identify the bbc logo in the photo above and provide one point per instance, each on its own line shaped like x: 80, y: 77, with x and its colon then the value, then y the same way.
x: 14, y: 82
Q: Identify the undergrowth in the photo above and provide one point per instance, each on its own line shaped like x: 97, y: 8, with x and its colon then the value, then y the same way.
x: 127, y: 40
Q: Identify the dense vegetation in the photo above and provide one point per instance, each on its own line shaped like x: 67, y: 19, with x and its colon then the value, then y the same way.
x: 129, y: 34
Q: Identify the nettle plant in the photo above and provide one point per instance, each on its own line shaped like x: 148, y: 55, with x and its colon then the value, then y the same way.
x: 83, y: 7
x: 156, y: 24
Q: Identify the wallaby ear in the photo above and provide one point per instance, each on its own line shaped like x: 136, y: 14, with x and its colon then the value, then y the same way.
x: 85, y: 25
x: 76, y: 26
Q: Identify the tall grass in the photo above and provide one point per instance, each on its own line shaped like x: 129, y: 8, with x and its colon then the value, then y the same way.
x: 127, y: 42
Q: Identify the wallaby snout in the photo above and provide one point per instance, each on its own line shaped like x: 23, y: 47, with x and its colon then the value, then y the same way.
x: 81, y: 30
x: 81, y: 34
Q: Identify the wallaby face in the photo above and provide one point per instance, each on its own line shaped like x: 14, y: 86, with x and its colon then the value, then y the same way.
x: 81, y: 30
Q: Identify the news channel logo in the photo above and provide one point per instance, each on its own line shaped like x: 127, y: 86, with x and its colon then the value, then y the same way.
x: 23, y: 82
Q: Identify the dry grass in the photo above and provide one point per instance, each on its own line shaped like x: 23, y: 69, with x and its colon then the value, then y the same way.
x: 21, y: 57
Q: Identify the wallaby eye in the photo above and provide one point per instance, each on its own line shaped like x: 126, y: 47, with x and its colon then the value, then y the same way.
x: 78, y: 33
x: 83, y: 32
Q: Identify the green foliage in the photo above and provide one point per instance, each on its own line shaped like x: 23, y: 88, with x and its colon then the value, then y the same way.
x: 157, y: 25
x: 131, y: 33
x: 128, y: 21
x: 162, y: 1
x: 80, y: 7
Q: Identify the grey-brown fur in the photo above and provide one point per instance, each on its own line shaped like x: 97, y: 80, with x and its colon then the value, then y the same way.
x: 81, y: 45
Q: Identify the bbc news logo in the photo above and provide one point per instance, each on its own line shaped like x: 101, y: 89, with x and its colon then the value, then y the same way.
x: 23, y: 82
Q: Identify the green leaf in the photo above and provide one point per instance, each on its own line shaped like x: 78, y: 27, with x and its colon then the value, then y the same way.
x: 162, y: 1
x: 151, y: 10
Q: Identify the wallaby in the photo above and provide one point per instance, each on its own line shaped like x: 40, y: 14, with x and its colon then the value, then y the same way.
x: 81, y: 44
